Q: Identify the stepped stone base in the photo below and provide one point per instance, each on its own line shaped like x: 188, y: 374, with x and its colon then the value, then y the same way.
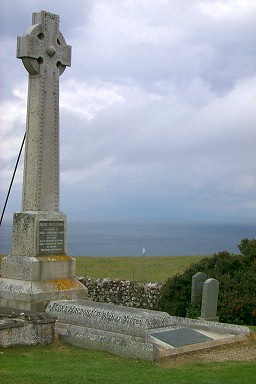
x: 35, y: 295
x: 39, y: 267
x: 39, y: 270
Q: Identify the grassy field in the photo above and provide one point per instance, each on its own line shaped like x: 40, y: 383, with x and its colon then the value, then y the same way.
x: 153, y: 269
x: 65, y: 364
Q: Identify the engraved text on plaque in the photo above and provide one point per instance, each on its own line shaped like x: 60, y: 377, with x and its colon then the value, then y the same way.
x: 51, y: 237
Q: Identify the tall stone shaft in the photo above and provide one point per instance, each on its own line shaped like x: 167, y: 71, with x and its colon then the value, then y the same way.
x: 38, y: 269
x: 45, y: 55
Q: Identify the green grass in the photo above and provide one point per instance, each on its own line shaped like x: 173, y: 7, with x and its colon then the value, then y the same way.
x: 154, y: 269
x: 65, y: 364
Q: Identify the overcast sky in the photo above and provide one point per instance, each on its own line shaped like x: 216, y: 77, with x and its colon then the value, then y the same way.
x: 157, y: 110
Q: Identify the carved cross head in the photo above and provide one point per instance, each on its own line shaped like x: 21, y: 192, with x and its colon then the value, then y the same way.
x: 42, y: 48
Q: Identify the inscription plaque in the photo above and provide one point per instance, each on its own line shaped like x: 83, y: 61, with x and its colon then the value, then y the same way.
x: 181, y: 336
x: 51, y: 237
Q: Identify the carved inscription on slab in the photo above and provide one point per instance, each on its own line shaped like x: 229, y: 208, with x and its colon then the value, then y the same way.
x: 51, y: 237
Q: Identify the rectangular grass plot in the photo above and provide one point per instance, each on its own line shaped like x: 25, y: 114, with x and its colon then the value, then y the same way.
x: 181, y: 336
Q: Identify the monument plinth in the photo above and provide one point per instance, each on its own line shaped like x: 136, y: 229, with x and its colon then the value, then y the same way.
x: 38, y: 269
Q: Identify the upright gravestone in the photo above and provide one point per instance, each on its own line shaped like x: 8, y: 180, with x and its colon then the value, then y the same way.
x: 198, y: 280
x: 38, y: 269
x: 210, y: 300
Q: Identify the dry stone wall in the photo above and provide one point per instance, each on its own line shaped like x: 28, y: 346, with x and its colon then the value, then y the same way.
x: 122, y: 292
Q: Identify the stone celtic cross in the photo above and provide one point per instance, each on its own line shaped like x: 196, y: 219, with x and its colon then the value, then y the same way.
x: 45, y: 55
x: 39, y: 270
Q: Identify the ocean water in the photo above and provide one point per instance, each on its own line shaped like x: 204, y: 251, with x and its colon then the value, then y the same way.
x: 127, y: 238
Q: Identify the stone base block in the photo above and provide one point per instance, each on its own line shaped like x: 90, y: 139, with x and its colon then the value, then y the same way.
x: 25, y: 231
x: 38, y: 268
x: 25, y: 328
x: 35, y: 295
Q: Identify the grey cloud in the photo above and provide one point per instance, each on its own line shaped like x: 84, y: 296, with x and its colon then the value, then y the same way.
x: 16, y: 15
x: 217, y: 50
x: 157, y: 108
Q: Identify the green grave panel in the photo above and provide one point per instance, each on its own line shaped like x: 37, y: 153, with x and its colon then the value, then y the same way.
x: 180, y: 337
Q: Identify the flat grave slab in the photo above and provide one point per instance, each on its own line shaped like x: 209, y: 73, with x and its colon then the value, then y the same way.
x: 180, y: 336
x: 108, y: 317
x: 138, y: 333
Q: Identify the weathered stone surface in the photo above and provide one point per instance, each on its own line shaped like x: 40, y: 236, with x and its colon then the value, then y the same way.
x: 30, y: 280
x: 45, y: 55
x: 25, y: 236
x: 136, y: 332
x: 109, y: 317
x: 210, y: 300
x: 25, y: 328
x: 197, y: 285
x: 39, y: 270
x: 35, y: 295
x: 116, y: 343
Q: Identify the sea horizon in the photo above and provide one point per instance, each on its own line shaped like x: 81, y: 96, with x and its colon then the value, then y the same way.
x: 159, y: 237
